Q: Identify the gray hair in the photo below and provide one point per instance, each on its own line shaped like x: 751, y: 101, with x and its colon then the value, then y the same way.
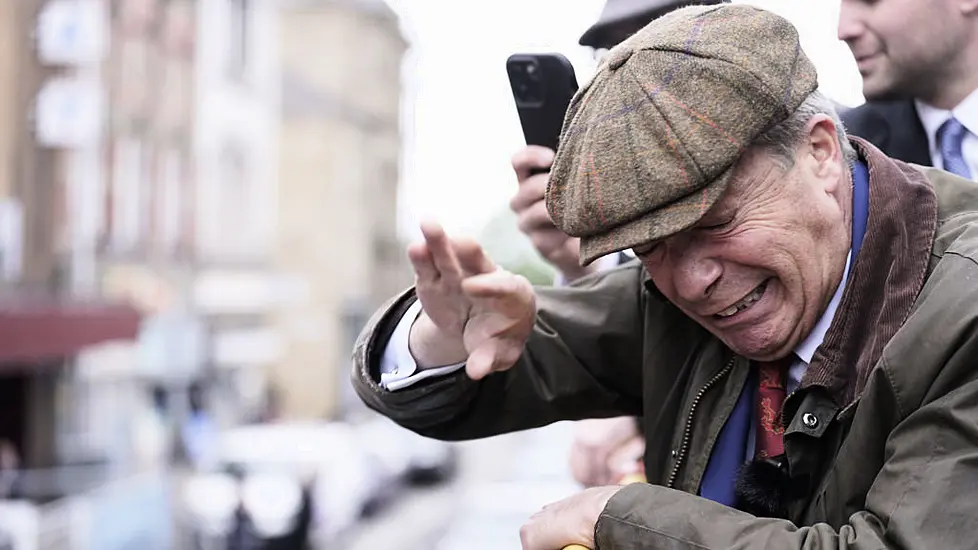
x: 782, y: 140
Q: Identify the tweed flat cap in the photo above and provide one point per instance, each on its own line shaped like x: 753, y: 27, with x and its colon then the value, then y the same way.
x: 649, y: 144
x: 630, y: 12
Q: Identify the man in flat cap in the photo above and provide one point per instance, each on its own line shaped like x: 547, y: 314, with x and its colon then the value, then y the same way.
x: 800, y: 334
x: 602, y: 450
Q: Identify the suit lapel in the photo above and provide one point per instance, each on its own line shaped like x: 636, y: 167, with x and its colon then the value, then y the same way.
x: 893, y: 127
x: 908, y: 140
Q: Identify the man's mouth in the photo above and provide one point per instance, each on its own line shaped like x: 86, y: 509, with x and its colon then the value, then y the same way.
x: 744, y: 303
x: 863, y: 60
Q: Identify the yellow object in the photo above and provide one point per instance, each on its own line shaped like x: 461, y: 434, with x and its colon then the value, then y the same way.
x: 576, y: 547
x: 632, y: 478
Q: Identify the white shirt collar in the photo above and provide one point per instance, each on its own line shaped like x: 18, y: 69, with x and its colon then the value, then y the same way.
x: 932, y: 118
x: 806, y: 349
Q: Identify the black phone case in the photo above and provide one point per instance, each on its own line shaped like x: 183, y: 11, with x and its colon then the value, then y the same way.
x: 541, y: 100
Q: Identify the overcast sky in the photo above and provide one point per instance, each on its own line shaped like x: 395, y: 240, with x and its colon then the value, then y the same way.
x: 460, y: 124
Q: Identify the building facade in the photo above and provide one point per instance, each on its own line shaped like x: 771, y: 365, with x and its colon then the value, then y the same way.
x: 53, y: 310
x: 236, y: 144
x: 340, y: 152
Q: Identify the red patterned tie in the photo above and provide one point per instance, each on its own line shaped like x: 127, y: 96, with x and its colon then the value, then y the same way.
x: 770, y: 399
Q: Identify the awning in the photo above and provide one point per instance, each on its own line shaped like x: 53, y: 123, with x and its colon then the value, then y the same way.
x: 35, y: 329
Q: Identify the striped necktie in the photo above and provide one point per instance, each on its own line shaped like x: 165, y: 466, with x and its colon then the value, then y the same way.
x: 951, y: 136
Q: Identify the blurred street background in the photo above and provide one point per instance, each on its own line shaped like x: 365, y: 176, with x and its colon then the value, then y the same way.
x: 201, y: 204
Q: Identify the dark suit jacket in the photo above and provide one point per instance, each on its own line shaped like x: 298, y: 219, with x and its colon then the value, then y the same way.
x: 893, y: 127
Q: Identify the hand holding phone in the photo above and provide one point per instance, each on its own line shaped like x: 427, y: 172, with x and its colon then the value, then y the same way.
x: 543, y: 86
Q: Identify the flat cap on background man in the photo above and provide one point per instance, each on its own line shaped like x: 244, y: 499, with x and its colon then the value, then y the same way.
x: 650, y: 143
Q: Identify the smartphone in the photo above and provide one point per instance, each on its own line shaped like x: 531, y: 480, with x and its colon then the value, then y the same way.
x: 543, y: 85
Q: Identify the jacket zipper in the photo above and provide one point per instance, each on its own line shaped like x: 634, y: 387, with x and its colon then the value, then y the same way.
x: 684, y: 447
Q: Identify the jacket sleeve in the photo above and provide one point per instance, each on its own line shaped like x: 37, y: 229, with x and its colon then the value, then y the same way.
x: 583, y: 360
x: 923, y: 498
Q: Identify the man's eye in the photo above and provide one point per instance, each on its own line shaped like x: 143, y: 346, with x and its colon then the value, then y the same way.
x: 645, y: 250
x: 716, y: 226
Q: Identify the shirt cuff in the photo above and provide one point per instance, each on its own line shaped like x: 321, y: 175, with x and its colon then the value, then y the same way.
x: 398, y: 369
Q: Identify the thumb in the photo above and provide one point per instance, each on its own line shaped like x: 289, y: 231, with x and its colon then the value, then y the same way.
x: 481, y: 361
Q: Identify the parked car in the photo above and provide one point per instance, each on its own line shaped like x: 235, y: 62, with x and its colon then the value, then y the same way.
x: 273, y: 483
x: 414, y: 458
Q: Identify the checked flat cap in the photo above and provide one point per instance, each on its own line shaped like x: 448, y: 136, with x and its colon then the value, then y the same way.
x: 650, y: 143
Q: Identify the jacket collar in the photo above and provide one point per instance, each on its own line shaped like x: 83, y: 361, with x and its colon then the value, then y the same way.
x: 887, y: 276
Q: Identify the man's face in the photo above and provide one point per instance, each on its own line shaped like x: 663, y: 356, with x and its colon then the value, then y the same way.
x: 904, y: 48
x: 761, y: 266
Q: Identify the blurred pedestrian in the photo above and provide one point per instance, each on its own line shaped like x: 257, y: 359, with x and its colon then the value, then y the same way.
x: 199, y: 432
x: 9, y: 469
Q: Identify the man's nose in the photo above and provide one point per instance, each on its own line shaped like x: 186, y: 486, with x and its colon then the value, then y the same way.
x: 696, y: 275
x: 850, y: 21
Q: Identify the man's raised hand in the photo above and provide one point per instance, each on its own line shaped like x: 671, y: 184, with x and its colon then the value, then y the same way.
x: 473, y: 310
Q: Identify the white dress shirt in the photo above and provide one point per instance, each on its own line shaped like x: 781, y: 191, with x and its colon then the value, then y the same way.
x: 398, y: 368
x: 966, y: 112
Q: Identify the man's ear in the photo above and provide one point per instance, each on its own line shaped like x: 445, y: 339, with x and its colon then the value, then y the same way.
x: 823, y: 154
x: 823, y: 138
x: 823, y: 147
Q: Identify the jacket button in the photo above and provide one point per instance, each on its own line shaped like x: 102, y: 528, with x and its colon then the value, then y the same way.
x: 809, y: 420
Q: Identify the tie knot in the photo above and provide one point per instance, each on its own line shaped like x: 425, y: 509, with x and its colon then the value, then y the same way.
x: 773, y: 373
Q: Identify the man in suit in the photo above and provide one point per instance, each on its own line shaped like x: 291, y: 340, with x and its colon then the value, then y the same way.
x: 919, y: 65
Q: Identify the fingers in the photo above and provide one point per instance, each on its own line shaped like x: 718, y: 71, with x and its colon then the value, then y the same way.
x: 498, y: 284
x: 481, y: 362
x: 535, y: 218
x: 585, y: 466
x: 440, y: 251
x: 530, y: 159
x: 472, y: 258
x: 423, y: 263
x: 532, y: 190
x: 559, y: 249
x: 493, y: 355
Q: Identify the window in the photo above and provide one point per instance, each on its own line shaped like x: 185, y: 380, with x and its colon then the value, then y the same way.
x: 11, y: 239
x: 170, y: 205
x: 235, y: 189
x: 130, y: 199
x: 234, y: 204
x: 238, y: 36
